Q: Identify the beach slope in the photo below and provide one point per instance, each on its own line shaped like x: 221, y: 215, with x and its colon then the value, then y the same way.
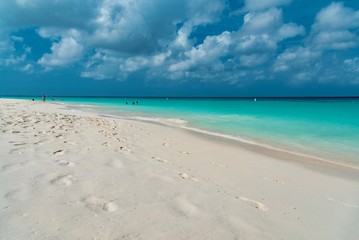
x: 75, y: 175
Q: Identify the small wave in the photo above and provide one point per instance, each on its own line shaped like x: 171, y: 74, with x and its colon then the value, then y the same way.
x: 167, y: 121
x: 217, y: 134
x: 270, y: 147
x: 236, y: 117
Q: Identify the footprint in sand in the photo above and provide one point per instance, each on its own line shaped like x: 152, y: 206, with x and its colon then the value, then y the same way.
x: 218, y: 164
x: 254, y: 203
x: 15, y: 195
x: 38, y: 143
x: 131, y: 236
x: 19, y: 144
x: 95, y: 203
x: 121, y: 139
x: 116, y: 163
x: 18, y: 151
x: 6, y: 167
x: 66, y: 163
x: 161, y: 160
x: 58, y: 152
x: 184, y: 152
x: 125, y: 149
x: 63, y: 180
x: 183, y: 205
x: 106, y: 144
x: 16, y: 143
x: 186, y: 176
x: 342, y: 203
x: 273, y: 180
x: 166, y: 145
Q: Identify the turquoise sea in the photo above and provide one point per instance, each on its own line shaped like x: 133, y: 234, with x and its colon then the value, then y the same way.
x: 326, y: 128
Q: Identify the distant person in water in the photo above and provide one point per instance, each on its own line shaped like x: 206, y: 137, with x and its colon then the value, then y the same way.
x: 43, y: 98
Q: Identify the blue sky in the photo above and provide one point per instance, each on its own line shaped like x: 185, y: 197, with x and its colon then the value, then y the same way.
x: 179, y: 48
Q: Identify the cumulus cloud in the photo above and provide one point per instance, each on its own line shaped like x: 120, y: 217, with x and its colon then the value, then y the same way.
x: 336, y: 17
x: 64, y: 52
x: 335, y: 27
x: 352, y: 64
x: 8, y: 54
x: 261, y: 31
x: 336, y: 40
x: 112, y: 39
x: 253, y: 60
x: 204, y: 54
x: 27, y: 68
x: 34, y: 13
x: 251, y: 46
x: 103, y: 65
x: 256, y: 5
x: 140, y: 35
x: 296, y: 57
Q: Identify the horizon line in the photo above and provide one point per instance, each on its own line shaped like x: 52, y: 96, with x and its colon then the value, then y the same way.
x: 242, y: 97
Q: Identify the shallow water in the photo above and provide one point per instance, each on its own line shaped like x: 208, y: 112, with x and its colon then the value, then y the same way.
x: 321, y: 127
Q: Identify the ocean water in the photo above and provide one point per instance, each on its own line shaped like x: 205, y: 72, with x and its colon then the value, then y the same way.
x: 326, y: 128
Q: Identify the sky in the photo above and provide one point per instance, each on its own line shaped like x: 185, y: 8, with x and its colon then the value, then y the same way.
x: 179, y: 48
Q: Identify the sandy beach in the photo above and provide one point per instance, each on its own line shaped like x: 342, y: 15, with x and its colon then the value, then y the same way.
x: 74, y: 175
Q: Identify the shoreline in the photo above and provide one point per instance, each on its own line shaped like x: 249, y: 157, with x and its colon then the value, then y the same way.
x: 77, y: 175
x: 345, y: 160
x: 273, y: 151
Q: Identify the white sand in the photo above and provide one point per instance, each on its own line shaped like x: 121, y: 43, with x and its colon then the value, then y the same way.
x: 71, y: 175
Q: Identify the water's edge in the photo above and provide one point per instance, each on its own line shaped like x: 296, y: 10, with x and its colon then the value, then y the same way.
x: 266, y: 149
x: 323, y: 129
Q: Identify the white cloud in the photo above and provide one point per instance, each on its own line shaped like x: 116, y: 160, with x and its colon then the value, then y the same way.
x: 295, y: 58
x: 144, y: 27
x: 253, y: 60
x: 336, y: 17
x: 262, y: 22
x: 327, y: 40
x: 13, y: 59
x: 261, y: 31
x: 256, y: 5
x: 26, y: 3
x: 5, y: 46
x: 136, y: 30
x: 27, y: 68
x: 44, y: 13
x: 352, y: 64
x: 335, y: 27
x: 255, y: 43
x: 103, y: 65
x: 112, y: 39
x: 205, y: 54
x: 62, y: 53
x: 289, y: 30
x: 8, y: 54
x: 17, y: 39
x: 251, y: 46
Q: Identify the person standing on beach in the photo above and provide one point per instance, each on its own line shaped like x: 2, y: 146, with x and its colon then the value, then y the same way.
x: 44, y: 98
